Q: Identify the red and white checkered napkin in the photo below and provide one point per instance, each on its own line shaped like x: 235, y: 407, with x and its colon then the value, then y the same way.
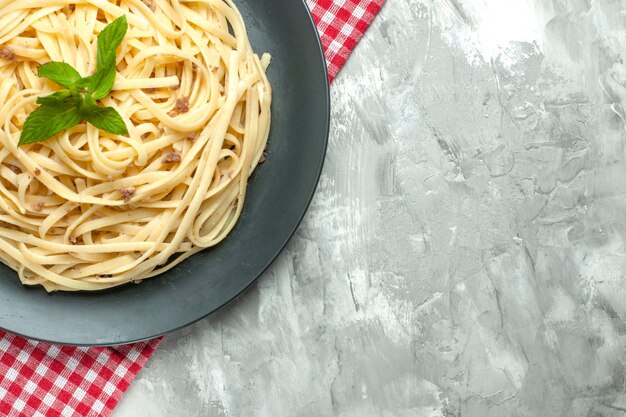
x: 42, y: 380
x: 341, y: 24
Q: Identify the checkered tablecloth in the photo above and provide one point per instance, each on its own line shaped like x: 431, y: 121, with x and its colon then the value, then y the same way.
x: 42, y: 380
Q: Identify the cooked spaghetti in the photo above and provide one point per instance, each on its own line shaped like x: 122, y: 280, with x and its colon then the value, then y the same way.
x: 88, y: 210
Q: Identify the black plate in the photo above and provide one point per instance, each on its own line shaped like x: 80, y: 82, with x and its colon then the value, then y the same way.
x: 280, y: 192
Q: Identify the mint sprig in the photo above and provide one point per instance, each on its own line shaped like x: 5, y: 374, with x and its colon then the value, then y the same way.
x: 67, y: 108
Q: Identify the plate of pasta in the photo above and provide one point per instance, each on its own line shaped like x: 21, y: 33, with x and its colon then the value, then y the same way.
x: 155, y: 158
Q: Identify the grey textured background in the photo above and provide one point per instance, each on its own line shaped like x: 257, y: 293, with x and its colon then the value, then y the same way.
x: 464, y: 255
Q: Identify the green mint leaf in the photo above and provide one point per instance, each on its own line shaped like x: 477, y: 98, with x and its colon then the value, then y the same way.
x: 102, y: 83
x: 59, y: 72
x: 108, y: 41
x: 48, y: 120
x: 54, y: 99
x: 104, y: 118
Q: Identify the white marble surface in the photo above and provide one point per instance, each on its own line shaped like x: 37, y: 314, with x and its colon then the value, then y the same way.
x: 464, y: 255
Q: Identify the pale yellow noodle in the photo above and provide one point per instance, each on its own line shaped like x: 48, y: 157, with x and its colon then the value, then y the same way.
x: 88, y: 210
